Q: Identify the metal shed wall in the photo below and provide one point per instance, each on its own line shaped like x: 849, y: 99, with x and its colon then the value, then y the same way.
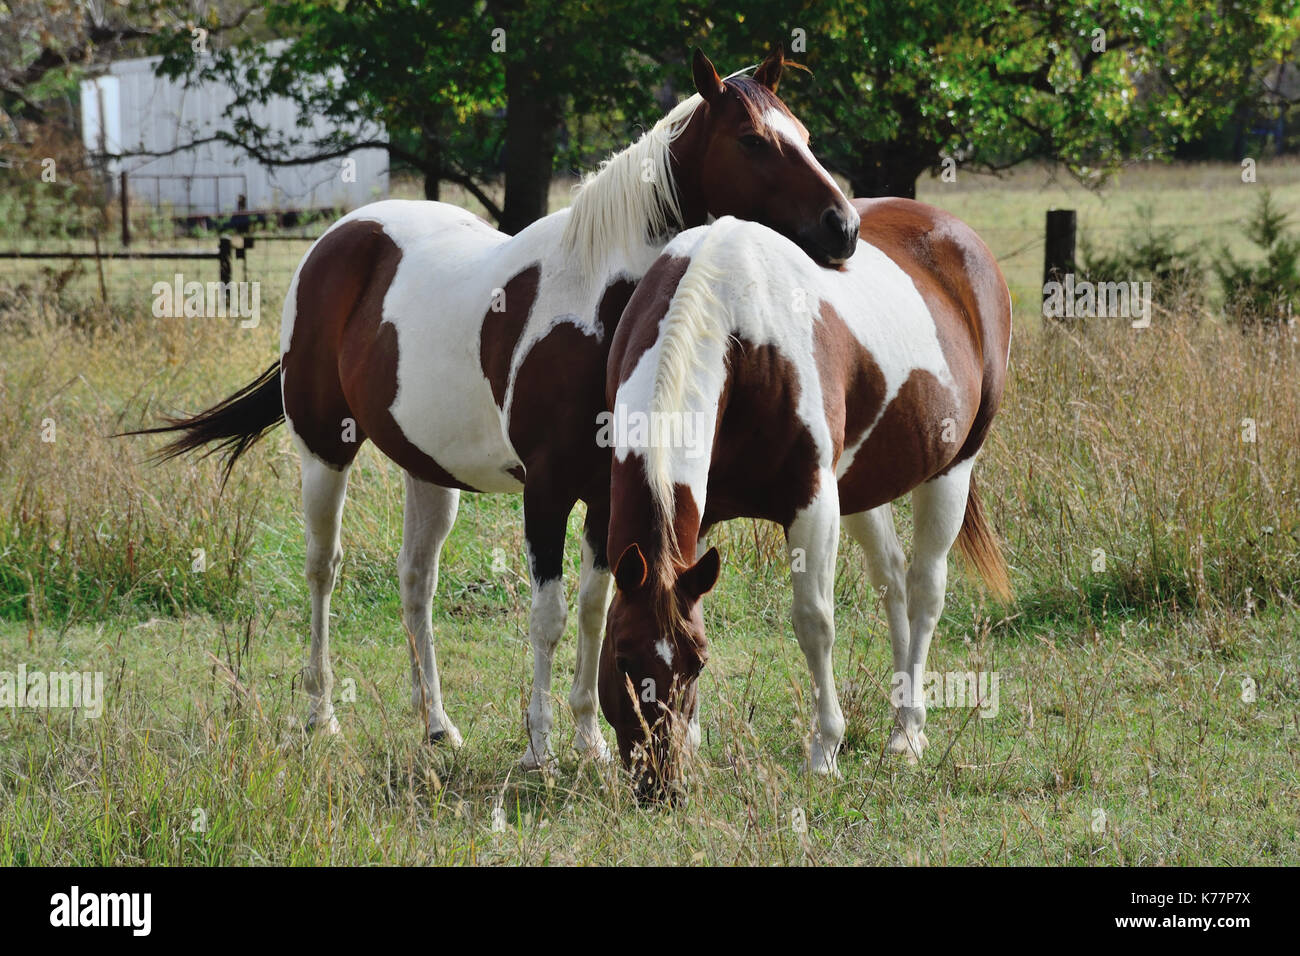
x: 134, y: 110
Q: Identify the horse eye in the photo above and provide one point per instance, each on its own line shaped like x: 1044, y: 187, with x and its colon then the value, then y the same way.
x: 621, y: 663
x: 753, y: 141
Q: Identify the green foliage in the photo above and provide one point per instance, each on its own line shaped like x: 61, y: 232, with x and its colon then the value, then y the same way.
x: 432, y: 74
x: 898, y: 86
x: 1176, y: 269
x: 1267, y: 292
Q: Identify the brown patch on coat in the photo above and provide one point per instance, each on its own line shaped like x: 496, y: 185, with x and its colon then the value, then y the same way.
x: 906, y: 446
x: 853, y: 387
x: 649, y: 303
x: 610, y: 309
x: 764, y: 461
x: 342, y: 358
x: 961, y: 284
x: 904, y: 449
x: 501, y: 330
x: 559, y: 390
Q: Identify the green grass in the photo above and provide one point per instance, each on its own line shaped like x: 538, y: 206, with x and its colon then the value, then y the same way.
x: 1121, y: 687
x: 1143, y: 721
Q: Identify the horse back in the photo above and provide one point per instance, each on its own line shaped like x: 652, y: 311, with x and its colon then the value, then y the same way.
x: 964, y: 289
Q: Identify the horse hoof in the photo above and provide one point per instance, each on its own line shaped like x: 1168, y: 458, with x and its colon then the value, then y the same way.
x: 823, y: 768
x: 597, y: 753
x: 329, y: 727
x: 447, y: 737
x: 531, y: 762
x: 910, y: 746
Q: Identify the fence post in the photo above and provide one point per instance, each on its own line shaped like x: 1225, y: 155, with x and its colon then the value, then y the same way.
x: 126, y: 213
x: 223, y: 258
x: 1058, y: 257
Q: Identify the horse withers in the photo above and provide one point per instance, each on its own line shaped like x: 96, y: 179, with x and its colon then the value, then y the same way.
x: 752, y: 383
x: 476, y: 361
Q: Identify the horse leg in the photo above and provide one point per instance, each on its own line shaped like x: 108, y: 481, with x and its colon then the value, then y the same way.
x: 814, y: 537
x: 887, y: 569
x: 693, y: 725
x: 594, y: 593
x: 938, y: 508
x: 324, y: 489
x: 430, y: 513
x: 545, y: 518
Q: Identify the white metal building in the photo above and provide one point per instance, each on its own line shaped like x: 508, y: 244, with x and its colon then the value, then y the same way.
x: 128, y: 109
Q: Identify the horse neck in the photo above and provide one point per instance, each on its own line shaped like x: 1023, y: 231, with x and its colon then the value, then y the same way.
x: 613, y: 217
x: 669, y: 547
x: 685, y: 162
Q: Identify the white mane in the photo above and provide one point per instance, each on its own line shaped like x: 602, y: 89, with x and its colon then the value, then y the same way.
x: 696, y: 317
x: 631, y: 196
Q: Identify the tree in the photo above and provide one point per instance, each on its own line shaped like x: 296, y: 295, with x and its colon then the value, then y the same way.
x: 45, y: 48
x: 901, y: 86
x: 437, y: 74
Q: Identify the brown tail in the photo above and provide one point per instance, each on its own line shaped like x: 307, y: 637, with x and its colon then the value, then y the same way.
x: 979, y: 544
x: 234, y: 425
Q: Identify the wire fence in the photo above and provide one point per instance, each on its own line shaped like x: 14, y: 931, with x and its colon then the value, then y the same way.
x: 126, y: 277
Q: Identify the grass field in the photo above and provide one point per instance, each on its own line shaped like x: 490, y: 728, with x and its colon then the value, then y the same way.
x: 1149, y: 697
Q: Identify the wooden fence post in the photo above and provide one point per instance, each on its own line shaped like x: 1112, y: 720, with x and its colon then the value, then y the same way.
x: 126, y: 212
x: 1058, y: 257
x: 223, y: 259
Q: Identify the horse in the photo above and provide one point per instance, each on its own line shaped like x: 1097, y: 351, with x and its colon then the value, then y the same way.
x: 748, y: 381
x: 476, y: 362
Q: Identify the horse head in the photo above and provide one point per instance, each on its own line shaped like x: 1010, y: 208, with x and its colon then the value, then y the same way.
x: 744, y: 154
x: 650, y: 665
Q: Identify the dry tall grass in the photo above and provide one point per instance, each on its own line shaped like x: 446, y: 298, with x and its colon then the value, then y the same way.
x: 1128, y: 470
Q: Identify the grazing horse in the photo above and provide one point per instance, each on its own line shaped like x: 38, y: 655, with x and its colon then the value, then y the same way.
x: 476, y: 362
x: 746, y: 381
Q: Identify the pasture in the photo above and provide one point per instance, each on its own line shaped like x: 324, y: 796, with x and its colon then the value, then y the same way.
x: 1148, y: 703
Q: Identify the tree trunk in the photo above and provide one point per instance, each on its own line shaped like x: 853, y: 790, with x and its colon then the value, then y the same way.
x: 432, y: 163
x: 885, y: 171
x: 432, y: 155
x: 532, y: 122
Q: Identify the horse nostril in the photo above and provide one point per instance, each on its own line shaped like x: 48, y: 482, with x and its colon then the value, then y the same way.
x: 833, y: 222
x: 840, y: 231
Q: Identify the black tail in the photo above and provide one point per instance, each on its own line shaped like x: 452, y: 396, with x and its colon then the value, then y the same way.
x: 234, y: 425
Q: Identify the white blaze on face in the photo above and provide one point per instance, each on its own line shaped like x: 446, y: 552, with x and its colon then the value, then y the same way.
x: 665, y: 651
x: 782, y: 126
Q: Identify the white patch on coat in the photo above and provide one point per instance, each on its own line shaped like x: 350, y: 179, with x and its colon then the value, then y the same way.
x: 748, y: 282
x: 781, y: 124
x: 665, y: 651
x: 452, y: 262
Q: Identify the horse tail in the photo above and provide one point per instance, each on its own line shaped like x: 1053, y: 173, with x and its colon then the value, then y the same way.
x: 979, y: 545
x: 232, y: 426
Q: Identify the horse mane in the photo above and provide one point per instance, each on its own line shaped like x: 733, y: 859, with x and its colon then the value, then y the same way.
x: 632, y: 196
x: 695, y: 317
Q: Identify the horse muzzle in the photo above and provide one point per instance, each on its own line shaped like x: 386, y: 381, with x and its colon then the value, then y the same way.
x: 835, y: 237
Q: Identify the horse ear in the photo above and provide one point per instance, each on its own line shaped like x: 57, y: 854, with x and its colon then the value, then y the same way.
x: 706, y: 77
x: 631, y: 571
x: 769, y: 71
x: 698, y: 580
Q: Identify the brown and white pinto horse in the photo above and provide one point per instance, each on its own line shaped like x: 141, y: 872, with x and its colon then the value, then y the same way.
x: 746, y: 381
x: 476, y: 361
